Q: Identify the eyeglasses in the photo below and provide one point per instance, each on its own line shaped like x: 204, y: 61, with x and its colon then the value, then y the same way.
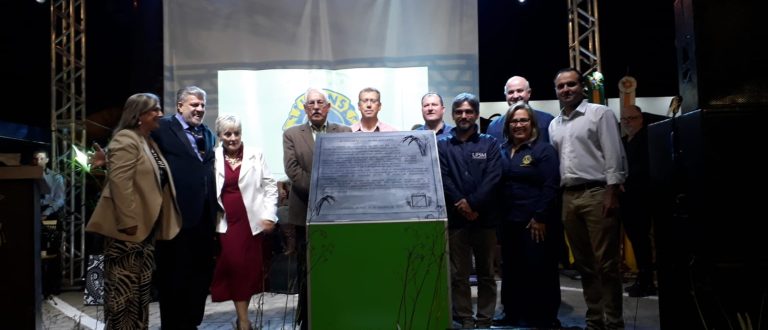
x: 364, y: 101
x: 521, y: 121
x: 315, y: 102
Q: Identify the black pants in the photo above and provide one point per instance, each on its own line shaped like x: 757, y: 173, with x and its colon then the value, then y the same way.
x: 301, y: 254
x: 183, y: 278
x: 637, y: 224
x: 530, y: 285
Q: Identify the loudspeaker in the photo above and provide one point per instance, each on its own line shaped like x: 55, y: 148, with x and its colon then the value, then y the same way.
x: 720, y: 54
x: 710, y: 253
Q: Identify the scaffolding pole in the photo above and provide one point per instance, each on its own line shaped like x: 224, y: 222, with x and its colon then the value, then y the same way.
x: 584, y: 36
x: 68, y: 129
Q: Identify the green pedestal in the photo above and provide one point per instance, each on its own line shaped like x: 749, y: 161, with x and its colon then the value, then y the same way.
x: 383, y: 275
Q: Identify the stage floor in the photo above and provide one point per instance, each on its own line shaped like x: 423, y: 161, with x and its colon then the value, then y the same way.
x: 275, y: 311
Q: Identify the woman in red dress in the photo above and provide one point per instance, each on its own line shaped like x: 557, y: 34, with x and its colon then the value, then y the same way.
x: 248, y: 195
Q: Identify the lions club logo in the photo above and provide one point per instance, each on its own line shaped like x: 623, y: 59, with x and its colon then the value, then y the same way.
x: 527, y: 160
x: 342, y: 110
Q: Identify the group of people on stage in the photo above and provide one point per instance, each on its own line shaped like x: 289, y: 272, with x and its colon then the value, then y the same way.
x: 190, y: 216
x: 531, y: 176
x: 172, y: 199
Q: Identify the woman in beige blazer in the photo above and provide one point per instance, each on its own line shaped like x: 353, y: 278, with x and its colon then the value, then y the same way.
x: 137, y: 206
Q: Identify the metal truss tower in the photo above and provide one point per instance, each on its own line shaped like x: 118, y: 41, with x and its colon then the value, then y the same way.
x: 584, y: 36
x: 68, y: 127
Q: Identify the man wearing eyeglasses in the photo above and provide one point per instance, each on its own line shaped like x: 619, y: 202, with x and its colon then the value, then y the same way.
x: 517, y: 89
x: 470, y: 164
x: 369, y: 103
x: 635, y: 213
x: 298, y: 147
x: 592, y: 168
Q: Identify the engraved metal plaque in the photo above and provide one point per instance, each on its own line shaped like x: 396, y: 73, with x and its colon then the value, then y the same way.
x: 382, y: 176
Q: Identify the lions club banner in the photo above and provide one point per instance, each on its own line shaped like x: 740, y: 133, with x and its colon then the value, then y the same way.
x: 270, y: 101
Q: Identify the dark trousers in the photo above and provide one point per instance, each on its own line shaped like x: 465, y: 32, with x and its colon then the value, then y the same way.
x: 637, y: 224
x: 184, y: 273
x: 530, y: 285
x: 464, y: 244
x: 301, y: 278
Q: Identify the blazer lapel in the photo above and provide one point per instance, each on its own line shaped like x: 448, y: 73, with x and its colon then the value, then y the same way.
x: 220, y: 162
x: 308, y: 140
x: 178, y: 131
x: 210, y: 142
x: 249, y: 162
x: 148, y: 154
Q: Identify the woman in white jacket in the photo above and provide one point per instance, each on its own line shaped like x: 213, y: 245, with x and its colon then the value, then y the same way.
x: 248, y: 195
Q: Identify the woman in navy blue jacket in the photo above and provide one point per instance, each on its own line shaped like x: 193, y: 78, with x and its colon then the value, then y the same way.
x: 530, y: 284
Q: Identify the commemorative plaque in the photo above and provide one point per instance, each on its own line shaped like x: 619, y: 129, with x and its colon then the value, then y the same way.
x: 383, y: 176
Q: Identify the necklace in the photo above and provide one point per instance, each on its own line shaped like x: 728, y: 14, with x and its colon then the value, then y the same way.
x: 232, y: 160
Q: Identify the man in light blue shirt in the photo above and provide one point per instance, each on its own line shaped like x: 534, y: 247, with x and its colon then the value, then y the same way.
x: 51, y: 202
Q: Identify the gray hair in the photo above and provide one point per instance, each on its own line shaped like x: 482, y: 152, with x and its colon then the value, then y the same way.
x: 182, y: 93
x: 318, y: 90
x: 225, y: 122
x: 470, y: 98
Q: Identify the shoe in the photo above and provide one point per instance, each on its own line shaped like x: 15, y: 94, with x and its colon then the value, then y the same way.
x: 483, y: 325
x: 571, y: 273
x: 468, y: 324
x: 244, y: 325
x: 641, y: 290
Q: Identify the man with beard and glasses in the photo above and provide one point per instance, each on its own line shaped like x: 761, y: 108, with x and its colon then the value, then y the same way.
x: 470, y: 164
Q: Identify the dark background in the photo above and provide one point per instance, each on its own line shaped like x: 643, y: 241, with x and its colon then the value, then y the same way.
x: 531, y: 40
x: 124, y: 50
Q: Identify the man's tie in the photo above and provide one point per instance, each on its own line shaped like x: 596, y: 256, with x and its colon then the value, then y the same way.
x: 197, y: 133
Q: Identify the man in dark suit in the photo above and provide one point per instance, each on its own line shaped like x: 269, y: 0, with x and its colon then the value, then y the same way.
x: 185, y: 264
x: 517, y: 89
x: 635, y: 211
x: 298, y: 147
